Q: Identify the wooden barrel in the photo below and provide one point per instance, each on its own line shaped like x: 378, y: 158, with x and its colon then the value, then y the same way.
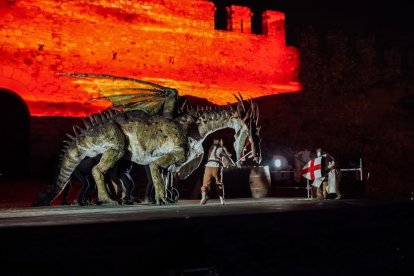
x: 259, y: 181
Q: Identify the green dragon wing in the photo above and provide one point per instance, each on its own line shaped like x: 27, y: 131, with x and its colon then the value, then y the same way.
x: 127, y: 93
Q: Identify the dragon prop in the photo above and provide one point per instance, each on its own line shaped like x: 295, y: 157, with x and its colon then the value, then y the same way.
x: 134, y: 129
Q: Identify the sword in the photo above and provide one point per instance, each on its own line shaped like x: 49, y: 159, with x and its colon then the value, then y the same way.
x: 244, y: 156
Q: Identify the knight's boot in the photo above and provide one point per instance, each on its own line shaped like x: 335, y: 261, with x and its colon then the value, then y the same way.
x: 338, y: 196
x: 222, y: 200
x: 204, y: 198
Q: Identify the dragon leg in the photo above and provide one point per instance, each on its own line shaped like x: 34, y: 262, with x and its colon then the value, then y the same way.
x: 158, y: 184
x: 177, y: 156
x: 108, y: 160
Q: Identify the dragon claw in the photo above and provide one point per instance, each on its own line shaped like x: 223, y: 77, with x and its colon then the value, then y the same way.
x: 160, y: 201
x: 106, y: 201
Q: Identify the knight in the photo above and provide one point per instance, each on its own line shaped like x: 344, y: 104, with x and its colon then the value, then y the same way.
x: 213, y: 171
x: 329, y: 182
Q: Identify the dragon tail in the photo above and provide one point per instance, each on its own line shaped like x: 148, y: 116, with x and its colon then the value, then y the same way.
x: 74, y: 151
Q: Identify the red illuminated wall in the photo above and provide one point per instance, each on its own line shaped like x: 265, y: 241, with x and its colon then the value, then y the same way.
x: 170, y: 42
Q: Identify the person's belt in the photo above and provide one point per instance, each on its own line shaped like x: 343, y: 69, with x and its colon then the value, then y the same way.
x: 211, y: 160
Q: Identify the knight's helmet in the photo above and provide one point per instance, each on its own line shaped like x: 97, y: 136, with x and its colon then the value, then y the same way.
x: 319, y: 152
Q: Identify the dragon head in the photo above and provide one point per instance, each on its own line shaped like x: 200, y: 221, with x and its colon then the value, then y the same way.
x: 249, y: 115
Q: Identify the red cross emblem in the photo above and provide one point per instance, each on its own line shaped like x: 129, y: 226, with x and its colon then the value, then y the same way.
x: 311, y: 168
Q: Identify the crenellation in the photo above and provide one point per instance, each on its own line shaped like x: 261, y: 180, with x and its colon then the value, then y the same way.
x: 274, y: 25
x: 240, y: 19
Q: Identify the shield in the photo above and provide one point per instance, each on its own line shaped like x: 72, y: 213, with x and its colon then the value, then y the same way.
x: 313, y: 169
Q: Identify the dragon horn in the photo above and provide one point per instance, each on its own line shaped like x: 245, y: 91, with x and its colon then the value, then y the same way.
x: 252, y: 108
x: 241, y: 98
x: 240, y: 102
x: 183, y: 105
x: 239, y: 110
x: 257, y: 113
x: 247, y: 115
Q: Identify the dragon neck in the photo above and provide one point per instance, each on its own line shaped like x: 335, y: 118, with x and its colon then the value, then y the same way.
x: 199, y: 124
x: 211, y: 121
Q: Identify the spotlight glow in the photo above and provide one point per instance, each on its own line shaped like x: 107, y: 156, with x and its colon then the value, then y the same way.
x: 278, y: 163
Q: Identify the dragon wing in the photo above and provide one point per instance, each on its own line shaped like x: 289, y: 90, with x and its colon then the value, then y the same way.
x: 124, y: 93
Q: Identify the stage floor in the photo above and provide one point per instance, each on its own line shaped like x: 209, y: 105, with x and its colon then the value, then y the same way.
x: 268, y: 236
x: 183, y: 209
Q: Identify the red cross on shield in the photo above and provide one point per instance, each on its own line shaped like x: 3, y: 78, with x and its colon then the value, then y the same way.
x: 312, y: 169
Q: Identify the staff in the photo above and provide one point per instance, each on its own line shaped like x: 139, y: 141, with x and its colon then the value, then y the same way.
x: 243, y: 156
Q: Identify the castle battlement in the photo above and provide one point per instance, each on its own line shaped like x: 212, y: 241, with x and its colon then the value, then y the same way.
x: 240, y: 19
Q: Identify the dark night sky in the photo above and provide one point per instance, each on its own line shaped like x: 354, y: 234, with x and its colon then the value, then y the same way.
x: 374, y: 15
